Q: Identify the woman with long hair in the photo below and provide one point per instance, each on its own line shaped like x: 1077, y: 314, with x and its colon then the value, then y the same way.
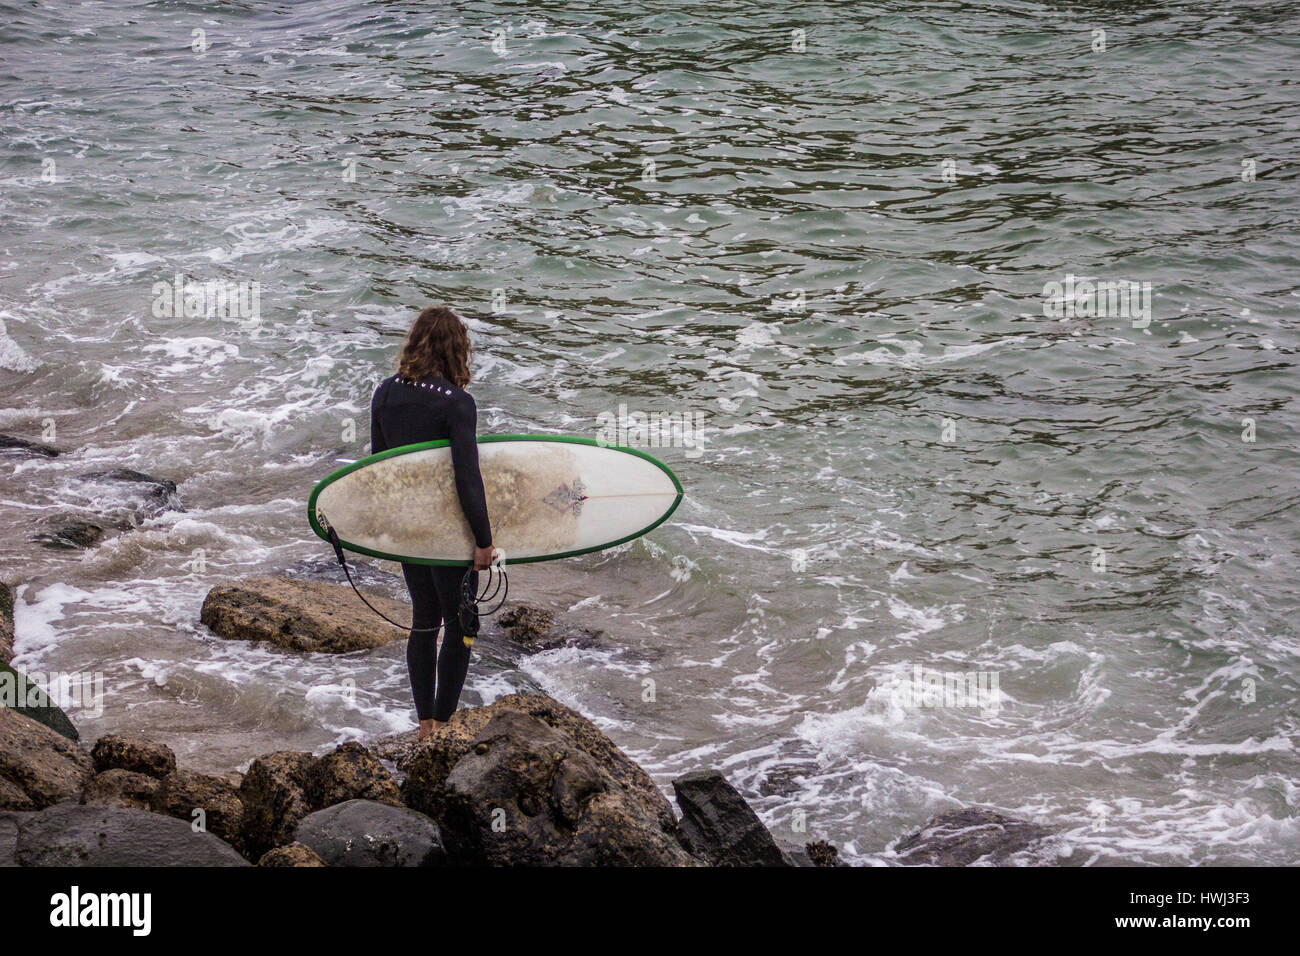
x: 425, y: 401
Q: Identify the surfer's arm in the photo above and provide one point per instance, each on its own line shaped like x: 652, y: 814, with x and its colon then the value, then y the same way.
x: 463, y: 425
x: 377, y: 442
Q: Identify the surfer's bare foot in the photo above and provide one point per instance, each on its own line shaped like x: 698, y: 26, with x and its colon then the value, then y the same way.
x: 427, y: 727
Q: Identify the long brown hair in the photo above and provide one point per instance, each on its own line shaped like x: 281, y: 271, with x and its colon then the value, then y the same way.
x: 438, y: 344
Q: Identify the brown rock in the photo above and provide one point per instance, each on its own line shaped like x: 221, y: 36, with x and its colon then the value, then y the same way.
x: 301, y: 615
x: 295, y: 854
x: 6, y: 623
x: 119, y: 788
x: 181, y: 793
x: 350, y: 772
x: 112, y: 752
x: 274, y: 801
x: 38, y: 767
x: 428, y: 764
x: 535, y: 629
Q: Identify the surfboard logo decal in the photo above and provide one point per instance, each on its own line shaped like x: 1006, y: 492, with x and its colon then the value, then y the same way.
x: 567, y: 497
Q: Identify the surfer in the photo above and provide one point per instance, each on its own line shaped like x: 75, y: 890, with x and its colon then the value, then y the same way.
x: 426, y: 401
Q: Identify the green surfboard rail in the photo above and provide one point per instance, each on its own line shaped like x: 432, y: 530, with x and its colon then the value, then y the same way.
x: 483, y: 440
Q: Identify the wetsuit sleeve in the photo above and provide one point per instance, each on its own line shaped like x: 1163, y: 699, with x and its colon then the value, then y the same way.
x: 463, y: 425
x: 377, y: 442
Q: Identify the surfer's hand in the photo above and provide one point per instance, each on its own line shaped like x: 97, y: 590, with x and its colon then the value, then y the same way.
x: 483, y: 558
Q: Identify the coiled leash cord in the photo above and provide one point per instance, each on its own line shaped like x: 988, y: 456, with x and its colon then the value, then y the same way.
x: 468, y: 612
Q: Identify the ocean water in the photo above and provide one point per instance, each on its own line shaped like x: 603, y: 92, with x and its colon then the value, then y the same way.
x: 831, y: 231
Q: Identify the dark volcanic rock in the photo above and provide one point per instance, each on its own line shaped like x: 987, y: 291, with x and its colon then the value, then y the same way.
x: 71, y: 532
x: 182, y: 793
x: 962, y: 837
x: 822, y: 853
x: 273, y: 798
x: 350, y: 772
x: 38, y: 767
x: 427, y: 765
x: 113, y: 752
x: 535, y: 629
x: 366, y: 833
x: 13, y: 443
x: 718, y: 825
x: 527, y: 794
x: 26, y: 697
x: 73, y: 835
x: 6, y: 623
x: 119, y: 788
x: 295, y: 854
x: 155, y: 494
x: 301, y: 615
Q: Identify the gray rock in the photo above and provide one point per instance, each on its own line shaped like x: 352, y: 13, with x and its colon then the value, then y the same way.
x: 13, y: 443
x: 152, y: 495
x: 719, y: 827
x: 68, y: 533
x: 9, y: 823
x: 71, y: 835
x: 963, y: 837
x: 367, y: 833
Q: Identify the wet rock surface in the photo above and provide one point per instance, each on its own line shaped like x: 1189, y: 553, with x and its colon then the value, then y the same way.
x: 72, y: 835
x: 720, y: 827
x: 970, y: 835
x: 301, y: 615
x: 369, y: 834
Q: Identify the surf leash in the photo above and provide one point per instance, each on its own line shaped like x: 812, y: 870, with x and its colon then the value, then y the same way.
x: 470, y: 597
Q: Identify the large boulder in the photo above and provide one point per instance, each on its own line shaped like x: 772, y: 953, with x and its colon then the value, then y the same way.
x: 349, y: 772
x: 282, y: 788
x: 25, y: 695
x: 120, y: 788
x: 73, y: 835
x: 301, y: 615
x: 295, y: 854
x: 38, y: 767
x: 973, y: 834
x: 719, y: 827
x: 366, y: 833
x: 527, y: 794
x: 428, y: 764
x: 114, y: 752
x: 198, y: 797
x: 272, y: 794
x: 6, y: 623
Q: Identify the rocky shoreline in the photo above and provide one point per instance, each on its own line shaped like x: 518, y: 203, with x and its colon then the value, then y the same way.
x: 521, y: 781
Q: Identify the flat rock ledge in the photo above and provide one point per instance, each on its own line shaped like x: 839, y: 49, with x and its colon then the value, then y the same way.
x: 301, y: 615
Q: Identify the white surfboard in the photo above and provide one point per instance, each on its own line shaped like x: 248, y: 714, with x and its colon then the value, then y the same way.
x: 548, y: 496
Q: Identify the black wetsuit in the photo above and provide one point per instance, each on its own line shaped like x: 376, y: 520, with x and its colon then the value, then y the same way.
x: 403, y: 413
